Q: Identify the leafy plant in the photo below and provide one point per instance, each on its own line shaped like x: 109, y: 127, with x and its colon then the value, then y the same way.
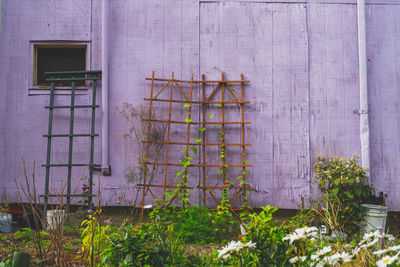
x: 262, y: 230
x: 136, y: 133
x: 94, y: 237
x: 193, y: 225
x: 344, y: 186
x: 144, y: 245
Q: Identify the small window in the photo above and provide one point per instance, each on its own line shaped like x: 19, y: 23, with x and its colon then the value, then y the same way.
x: 58, y: 58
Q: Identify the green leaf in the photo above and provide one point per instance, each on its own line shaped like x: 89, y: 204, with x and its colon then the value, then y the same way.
x: 202, y: 129
x: 218, y: 125
x: 187, y: 105
x: 170, y: 194
x: 194, y: 149
x: 188, y: 120
x: 178, y: 173
x: 219, y: 171
x: 210, y: 116
x: 197, y: 140
x: 219, y: 105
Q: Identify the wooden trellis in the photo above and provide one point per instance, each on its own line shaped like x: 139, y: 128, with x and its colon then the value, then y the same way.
x: 202, y: 104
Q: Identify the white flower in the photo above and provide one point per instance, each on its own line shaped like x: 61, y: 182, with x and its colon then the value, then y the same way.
x: 302, y: 258
x: 356, y: 250
x: 242, y: 230
x: 148, y: 206
x: 382, y: 251
x: 370, y: 244
x: 320, y: 253
x: 107, y: 221
x: 234, y: 246
x: 294, y: 259
x: 387, y: 260
x: 302, y: 233
x: 389, y: 249
x: 250, y: 244
x: 231, y: 247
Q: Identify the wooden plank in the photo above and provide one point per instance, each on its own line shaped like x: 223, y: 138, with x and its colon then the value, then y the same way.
x: 261, y: 133
x: 334, y: 91
x: 282, y: 142
x: 384, y: 70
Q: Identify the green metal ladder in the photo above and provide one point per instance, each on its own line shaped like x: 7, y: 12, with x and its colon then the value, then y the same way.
x: 57, y: 77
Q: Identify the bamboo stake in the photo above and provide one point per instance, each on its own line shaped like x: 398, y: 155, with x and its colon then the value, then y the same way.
x: 180, y: 89
x: 243, y: 138
x: 207, y: 122
x: 168, y: 134
x: 213, y: 92
x: 162, y: 89
x: 196, y: 165
x: 203, y: 85
x: 199, y: 102
x: 223, y: 149
x: 188, y: 135
x: 186, y: 81
x: 232, y: 92
x: 195, y: 144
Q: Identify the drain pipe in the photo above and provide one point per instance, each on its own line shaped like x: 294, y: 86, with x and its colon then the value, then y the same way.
x: 105, y: 167
x: 362, y: 63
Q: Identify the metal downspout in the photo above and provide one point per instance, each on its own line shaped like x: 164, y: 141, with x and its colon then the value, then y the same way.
x: 105, y: 167
x: 362, y: 62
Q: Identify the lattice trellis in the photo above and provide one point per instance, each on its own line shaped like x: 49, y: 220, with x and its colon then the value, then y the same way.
x: 200, y: 104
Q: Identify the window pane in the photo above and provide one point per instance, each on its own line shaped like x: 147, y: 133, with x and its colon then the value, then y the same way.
x: 59, y: 59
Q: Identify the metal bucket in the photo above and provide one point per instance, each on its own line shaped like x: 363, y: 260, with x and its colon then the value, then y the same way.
x: 55, y: 219
x: 375, y: 217
x: 5, y: 222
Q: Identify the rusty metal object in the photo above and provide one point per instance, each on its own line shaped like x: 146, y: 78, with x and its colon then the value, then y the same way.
x: 200, y: 105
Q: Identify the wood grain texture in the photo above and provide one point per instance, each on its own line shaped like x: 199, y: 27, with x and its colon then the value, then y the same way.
x: 300, y: 56
x: 383, y: 41
x: 269, y: 41
x: 334, y: 92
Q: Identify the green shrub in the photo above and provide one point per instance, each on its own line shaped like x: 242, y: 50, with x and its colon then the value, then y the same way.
x: 144, y: 245
x: 344, y: 185
x: 262, y: 230
x: 194, y: 225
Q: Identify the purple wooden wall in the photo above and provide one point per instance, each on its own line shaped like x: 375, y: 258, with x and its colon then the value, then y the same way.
x: 301, y: 58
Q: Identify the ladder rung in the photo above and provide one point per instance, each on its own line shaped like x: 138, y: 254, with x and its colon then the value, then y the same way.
x: 72, y: 79
x: 78, y: 106
x: 69, y: 135
x: 73, y: 195
x: 72, y: 72
x: 65, y: 165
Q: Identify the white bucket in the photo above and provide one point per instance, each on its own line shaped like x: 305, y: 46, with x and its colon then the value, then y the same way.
x: 55, y: 219
x: 5, y: 222
x: 375, y: 217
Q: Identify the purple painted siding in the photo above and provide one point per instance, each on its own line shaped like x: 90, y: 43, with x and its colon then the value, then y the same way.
x: 301, y: 58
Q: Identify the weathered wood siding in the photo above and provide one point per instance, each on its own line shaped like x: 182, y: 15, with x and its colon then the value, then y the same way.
x: 301, y: 58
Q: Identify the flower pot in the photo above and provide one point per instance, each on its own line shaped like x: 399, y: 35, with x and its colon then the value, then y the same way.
x: 5, y: 222
x: 375, y: 217
x: 55, y: 219
x: 21, y: 259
